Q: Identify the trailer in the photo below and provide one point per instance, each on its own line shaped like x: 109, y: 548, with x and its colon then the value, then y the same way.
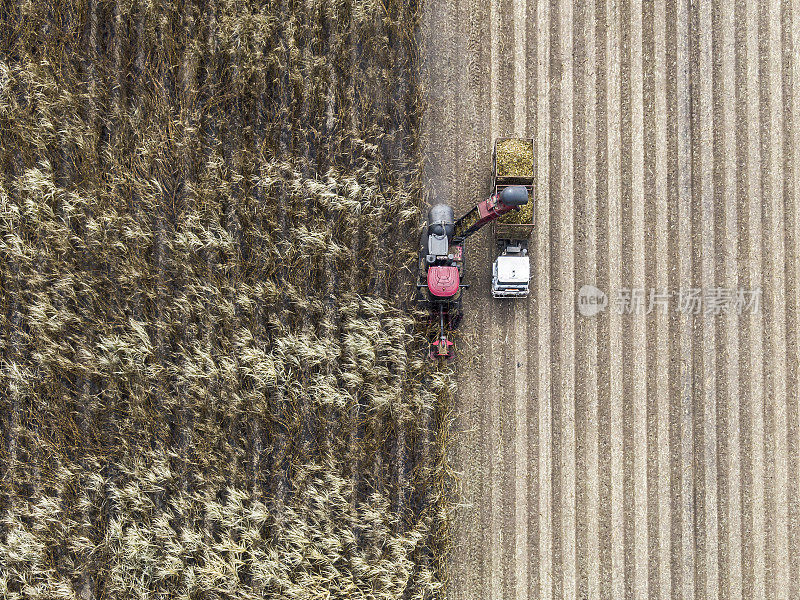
x: 511, y: 232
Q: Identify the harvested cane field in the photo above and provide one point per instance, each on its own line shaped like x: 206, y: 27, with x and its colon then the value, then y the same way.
x: 626, y: 455
x: 210, y: 386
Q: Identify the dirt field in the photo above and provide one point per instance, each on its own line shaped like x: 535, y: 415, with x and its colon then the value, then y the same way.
x: 627, y: 455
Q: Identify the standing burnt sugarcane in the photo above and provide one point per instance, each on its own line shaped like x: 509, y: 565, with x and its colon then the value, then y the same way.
x: 204, y: 376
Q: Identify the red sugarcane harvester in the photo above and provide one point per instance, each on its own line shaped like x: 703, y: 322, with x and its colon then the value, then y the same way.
x: 442, y: 256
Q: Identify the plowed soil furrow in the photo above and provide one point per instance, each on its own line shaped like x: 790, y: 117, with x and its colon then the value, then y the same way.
x: 650, y: 455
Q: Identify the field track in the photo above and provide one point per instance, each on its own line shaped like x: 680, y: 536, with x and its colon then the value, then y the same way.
x: 626, y: 456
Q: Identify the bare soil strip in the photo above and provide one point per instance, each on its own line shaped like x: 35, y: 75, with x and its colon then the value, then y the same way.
x: 636, y: 456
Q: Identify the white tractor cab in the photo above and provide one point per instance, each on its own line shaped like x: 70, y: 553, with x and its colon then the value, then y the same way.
x: 511, y: 271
